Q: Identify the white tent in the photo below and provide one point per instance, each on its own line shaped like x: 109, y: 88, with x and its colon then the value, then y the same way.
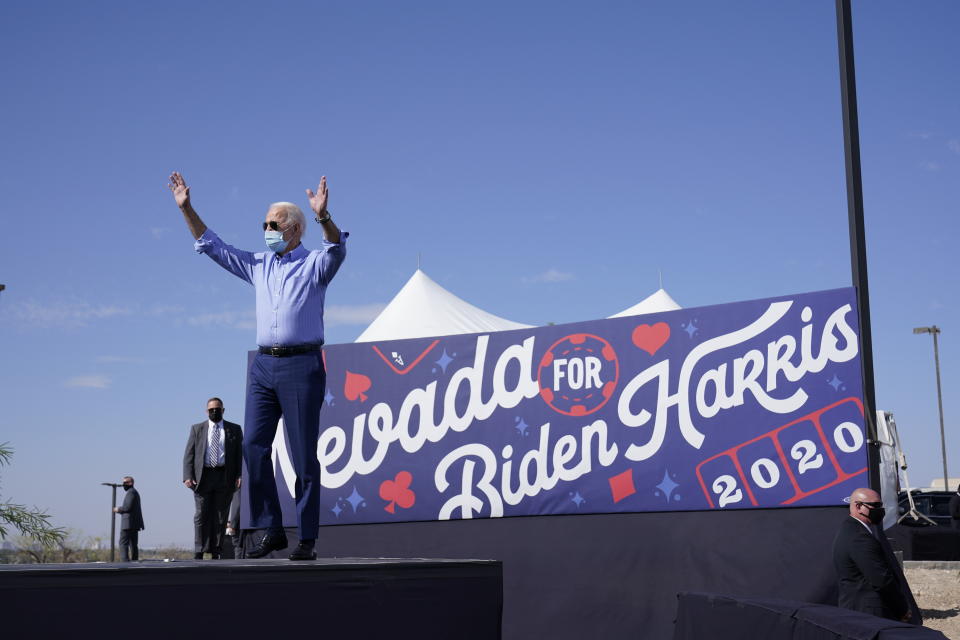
x: 422, y: 308
x: 654, y: 303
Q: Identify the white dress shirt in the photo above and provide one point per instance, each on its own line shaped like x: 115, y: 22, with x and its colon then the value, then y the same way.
x: 214, y: 432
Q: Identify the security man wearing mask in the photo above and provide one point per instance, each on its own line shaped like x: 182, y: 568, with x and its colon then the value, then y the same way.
x: 211, y: 468
x: 870, y: 578
x: 131, y: 523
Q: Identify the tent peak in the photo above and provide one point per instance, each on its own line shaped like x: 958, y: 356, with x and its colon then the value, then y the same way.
x: 656, y: 302
x: 424, y: 308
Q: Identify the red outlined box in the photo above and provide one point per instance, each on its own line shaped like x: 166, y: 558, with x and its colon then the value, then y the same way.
x: 798, y: 493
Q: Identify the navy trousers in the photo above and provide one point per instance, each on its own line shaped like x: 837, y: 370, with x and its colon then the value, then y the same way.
x: 292, y: 387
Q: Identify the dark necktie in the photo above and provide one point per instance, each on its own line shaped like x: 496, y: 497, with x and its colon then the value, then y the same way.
x: 215, y: 447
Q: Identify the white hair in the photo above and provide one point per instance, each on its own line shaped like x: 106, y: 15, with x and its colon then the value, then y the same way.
x: 291, y: 213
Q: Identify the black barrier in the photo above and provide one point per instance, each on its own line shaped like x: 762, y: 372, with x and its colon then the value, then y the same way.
x: 707, y: 616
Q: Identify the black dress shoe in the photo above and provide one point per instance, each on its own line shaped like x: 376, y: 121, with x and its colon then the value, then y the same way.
x: 304, y: 551
x: 198, y: 556
x: 269, y: 542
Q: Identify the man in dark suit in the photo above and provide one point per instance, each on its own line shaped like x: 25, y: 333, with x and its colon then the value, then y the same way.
x: 131, y: 523
x: 211, y: 468
x: 869, y: 580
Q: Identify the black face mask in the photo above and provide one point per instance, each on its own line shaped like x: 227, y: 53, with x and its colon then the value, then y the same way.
x: 876, y: 514
x: 127, y: 487
x: 215, y: 414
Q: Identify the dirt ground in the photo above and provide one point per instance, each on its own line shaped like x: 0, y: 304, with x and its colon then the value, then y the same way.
x: 937, y: 592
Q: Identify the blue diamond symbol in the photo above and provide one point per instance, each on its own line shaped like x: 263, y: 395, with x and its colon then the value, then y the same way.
x: 328, y: 398
x: 521, y: 426
x: 690, y: 328
x: 336, y: 509
x: 355, y: 499
x: 578, y: 499
x: 444, y: 360
x: 667, y: 485
x: 835, y: 382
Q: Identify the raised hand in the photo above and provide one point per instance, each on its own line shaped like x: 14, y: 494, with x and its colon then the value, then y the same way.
x: 181, y: 192
x: 318, y: 200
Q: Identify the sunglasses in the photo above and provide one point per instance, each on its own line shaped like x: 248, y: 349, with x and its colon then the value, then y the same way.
x: 273, y: 225
x: 872, y: 505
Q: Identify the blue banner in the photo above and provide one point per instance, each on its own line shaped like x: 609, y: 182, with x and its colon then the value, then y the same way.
x: 747, y: 405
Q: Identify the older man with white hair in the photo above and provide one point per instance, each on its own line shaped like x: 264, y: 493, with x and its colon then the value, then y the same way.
x: 287, y: 377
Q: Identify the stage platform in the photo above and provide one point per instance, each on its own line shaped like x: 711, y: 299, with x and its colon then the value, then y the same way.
x: 336, y: 598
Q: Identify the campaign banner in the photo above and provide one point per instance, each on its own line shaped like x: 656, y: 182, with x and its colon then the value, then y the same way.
x: 747, y: 405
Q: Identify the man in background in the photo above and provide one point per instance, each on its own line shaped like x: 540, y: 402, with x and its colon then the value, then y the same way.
x: 131, y: 522
x: 211, y: 468
x: 870, y: 578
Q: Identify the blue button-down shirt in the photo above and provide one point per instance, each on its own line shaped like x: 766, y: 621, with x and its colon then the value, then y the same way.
x: 290, y: 289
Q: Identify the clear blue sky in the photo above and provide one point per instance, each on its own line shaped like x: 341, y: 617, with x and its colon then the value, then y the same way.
x: 546, y: 158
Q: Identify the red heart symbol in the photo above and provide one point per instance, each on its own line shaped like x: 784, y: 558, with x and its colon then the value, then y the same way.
x: 650, y: 339
x: 354, y: 386
x: 397, y: 491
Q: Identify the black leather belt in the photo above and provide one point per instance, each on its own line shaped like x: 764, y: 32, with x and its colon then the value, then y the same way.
x: 282, y: 352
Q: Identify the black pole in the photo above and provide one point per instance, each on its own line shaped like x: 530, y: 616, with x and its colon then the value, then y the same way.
x: 113, y: 520
x: 858, y: 244
x: 113, y: 527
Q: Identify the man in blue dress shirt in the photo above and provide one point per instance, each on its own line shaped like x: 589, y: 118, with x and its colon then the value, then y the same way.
x: 287, y: 377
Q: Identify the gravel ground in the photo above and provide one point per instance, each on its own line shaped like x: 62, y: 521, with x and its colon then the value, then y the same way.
x: 937, y: 591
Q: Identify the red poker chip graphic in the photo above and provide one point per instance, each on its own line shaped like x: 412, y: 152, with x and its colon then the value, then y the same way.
x: 578, y: 374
